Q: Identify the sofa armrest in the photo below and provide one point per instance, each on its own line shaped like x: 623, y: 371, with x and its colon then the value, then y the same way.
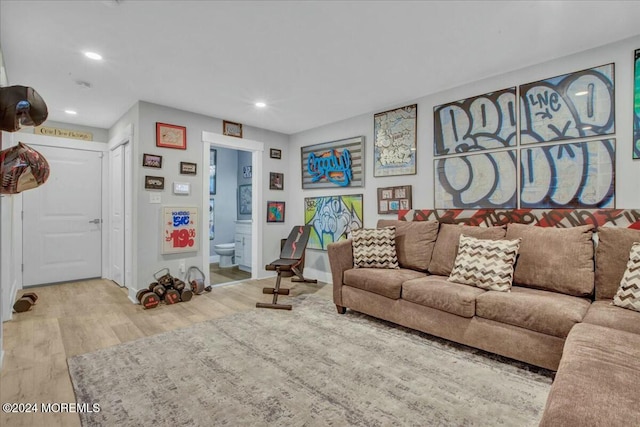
x: 340, y: 260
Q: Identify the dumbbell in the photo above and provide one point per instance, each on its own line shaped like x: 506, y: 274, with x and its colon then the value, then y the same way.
x: 180, y: 286
x: 159, y: 290
x: 25, y: 302
x: 147, y: 298
x: 186, y: 295
x: 172, y: 296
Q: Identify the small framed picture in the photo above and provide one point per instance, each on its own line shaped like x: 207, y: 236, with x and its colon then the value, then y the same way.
x: 276, y: 181
x: 151, y: 161
x: 247, y: 172
x: 171, y: 136
x: 275, y: 211
x: 187, y: 168
x: 232, y: 129
x: 393, y: 199
x: 275, y: 153
x: 154, y: 182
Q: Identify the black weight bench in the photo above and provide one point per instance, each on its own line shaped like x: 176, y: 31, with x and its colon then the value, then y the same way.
x: 291, y: 256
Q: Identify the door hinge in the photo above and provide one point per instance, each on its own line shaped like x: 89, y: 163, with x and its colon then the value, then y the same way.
x: 22, y: 268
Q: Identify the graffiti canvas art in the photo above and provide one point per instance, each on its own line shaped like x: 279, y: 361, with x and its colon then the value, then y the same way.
x: 476, y: 180
x: 394, y: 141
x: 569, y: 106
x: 332, y: 218
x: 636, y: 106
x: 479, y: 123
x: 568, y: 175
x: 330, y: 164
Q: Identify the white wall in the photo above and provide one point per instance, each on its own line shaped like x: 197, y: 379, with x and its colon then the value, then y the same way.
x: 627, y: 171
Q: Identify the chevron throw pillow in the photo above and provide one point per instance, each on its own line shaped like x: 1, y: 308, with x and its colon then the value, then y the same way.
x: 487, y: 264
x: 375, y: 248
x: 628, y: 295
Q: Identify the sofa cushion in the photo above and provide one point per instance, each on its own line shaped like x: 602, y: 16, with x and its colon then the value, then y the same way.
x: 604, y: 313
x: 628, y: 295
x: 446, y: 247
x: 597, y: 381
x: 437, y: 292
x: 374, y: 248
x: 385, y: 282
x: 554, y: 259
x: 487, y: 264
x: 414, y: 242
x: 612, y: 254
x: 546, y: 312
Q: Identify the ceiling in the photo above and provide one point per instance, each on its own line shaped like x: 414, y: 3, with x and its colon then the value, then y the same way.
x: 312, y: 62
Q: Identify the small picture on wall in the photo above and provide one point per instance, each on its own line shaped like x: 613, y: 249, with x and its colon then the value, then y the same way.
x: 393, y: 199
x: 171, y: 136
x: 232, y: 129
x: 274, y: 153
x: 187, y: 168
x: 275, y: 211
x: 244, y: 199
x: 276, y: 181
x: 151, y: 161
x: 154, y: 182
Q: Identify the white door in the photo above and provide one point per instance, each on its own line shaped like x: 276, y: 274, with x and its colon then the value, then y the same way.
x: 62, y: 222
x: 116, y: 162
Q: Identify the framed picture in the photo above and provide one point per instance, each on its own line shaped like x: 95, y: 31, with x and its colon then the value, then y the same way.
x: 332, y: 218
x: 333, y: 164
x: 154, y: 182
x: 636, y: 105
x: 275, y: 211
x: 187, y: 168
x: 151, y: 161
x: 276, y: 181
x: 394, y: 141
x: 275, y: 153
x: 244, y: 199
x: 180, y: 231
x: 213, y: 158
x: 232, y: 129
x: 247, y: 171
x: 171, y: 136
x: 393, y: 199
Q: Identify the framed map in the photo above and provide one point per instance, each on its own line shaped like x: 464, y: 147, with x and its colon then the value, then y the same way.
x: 394, y: 141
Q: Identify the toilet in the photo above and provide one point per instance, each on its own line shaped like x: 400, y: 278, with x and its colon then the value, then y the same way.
x: 226, y: 252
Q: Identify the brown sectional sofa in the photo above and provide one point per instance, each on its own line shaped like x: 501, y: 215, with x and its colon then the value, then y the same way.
x: 549, y: 319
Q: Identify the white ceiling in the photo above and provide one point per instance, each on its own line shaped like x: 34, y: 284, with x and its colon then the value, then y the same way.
x: 312, y: 62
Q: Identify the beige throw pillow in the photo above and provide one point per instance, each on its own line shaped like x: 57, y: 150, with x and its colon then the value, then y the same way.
x: 487, y: 264
x: 628, y: 295
x: 374, y: 248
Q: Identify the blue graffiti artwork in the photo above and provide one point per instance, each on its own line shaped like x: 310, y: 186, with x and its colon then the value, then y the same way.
x: 636, y: 107
x: 332, y: 218
x: 333, y: 165
x: 570, y: 106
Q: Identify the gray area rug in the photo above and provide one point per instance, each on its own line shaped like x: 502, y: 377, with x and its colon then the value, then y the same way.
x: 307, y: 367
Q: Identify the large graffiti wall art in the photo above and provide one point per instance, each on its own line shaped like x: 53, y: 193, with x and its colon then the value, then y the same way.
x: 394, y: 141
x: 330, y: 164
x: 636, y: 106
x: 476, y: 180
x: 570, y: 106
x: 332, y: 218
x: 479, y: 123
x: 568, y: 175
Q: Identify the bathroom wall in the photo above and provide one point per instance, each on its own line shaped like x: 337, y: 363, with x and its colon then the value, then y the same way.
x: 225, y: 199
x: 244, y: 160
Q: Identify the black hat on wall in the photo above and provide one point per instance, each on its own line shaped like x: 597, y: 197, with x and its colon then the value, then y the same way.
x: 21, y: 106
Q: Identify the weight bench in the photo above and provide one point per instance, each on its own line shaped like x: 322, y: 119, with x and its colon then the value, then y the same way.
x: 291, y: 256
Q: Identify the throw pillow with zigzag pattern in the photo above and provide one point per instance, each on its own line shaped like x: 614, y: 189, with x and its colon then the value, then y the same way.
x: 628, y: 295
x: 375, y: 248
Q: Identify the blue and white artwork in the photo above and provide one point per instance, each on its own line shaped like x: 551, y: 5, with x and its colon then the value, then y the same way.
x: 479, y: 180
x: 568, y: 175
x: 333, y: 164
x: 332, y: 218
x: 570, y: 106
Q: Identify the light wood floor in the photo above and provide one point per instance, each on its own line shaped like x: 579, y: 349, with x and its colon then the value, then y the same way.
x: 82, y: 317
x: 224, y: 275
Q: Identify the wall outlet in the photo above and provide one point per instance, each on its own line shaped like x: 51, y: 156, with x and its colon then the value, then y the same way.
x: 181, y: 267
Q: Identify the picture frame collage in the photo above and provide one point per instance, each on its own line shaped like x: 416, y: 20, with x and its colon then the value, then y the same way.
x: 168, y: 136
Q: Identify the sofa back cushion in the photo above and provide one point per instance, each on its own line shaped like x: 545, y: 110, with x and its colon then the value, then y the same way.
x: 414, y: 242
x: 612, y: 254
x: 555, y: 259
x: 446, y: 247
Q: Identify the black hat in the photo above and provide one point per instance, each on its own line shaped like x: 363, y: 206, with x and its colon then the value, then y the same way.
x: 21, y: 106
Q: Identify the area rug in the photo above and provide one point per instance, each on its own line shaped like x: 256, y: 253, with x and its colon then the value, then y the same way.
x: 307, y: 367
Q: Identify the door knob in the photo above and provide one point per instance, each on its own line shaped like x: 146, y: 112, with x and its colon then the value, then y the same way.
x: 95, y: 221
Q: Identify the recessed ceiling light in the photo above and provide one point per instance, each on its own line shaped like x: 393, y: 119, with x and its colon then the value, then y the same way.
x: 260, y: 104
x: 93, y: 55
x: 71, y: 112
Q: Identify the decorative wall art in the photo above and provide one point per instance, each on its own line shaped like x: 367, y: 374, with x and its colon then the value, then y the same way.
x: 636, y: 106
x: 212, y: 218
x: 187, y: 168
x: 275, y: 153
x: 393, y: 199
x: 479, y: 123
x: 151, y: 161
x: 574, y: 105
x: 247, y: 171
x: 154, y: 182
x: 275, y: 211
x: 568, y: 175
x: 394, y: 141
x: 276, y: 181
x: 232, y: 129
x: 171, y: 136
x: 244, y: 199
x: 332, y: 218
x: 179, y: 229
x: 212, y: 171
x: 480, y: 180
x: 336, y: 163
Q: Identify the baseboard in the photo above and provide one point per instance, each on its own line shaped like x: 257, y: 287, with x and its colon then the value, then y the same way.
x: 1, y: 358
x: 320, y: 276
x: 8, y: 313
x: 132, y: 297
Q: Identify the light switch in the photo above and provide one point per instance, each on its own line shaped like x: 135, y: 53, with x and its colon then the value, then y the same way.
x: 155, y: 198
